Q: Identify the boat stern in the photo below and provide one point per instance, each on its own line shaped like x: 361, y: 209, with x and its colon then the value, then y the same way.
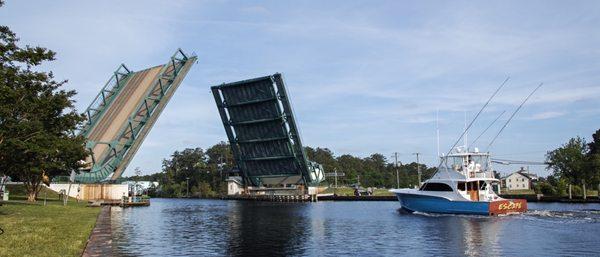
x: 507, y: 206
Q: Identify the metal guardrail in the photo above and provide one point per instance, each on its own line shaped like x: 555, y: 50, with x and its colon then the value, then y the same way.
x: 108, y: 93
x: 136, y: 124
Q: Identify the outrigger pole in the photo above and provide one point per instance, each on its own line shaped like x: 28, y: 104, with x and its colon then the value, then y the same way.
x: 471, y: 124
x: 486, y: 129
x: 513, y: 115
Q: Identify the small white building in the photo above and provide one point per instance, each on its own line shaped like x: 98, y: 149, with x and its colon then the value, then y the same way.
x: 235, y: 186
x: 91, y: 191
x: 520, y: 180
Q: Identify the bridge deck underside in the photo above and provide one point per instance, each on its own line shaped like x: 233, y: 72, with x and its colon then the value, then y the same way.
x: 258, y: 129
x: 124, y: 105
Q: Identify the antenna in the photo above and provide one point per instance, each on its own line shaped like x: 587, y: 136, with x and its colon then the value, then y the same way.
x: 437, y: 125
x: 472, y: 121
x: 513, y: 115
x: 486, y: 129
x: 465, y: 132
x: 477, y: 116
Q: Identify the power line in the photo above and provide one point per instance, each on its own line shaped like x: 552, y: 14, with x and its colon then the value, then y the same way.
x: 508, y: 162
x: 521, y: 153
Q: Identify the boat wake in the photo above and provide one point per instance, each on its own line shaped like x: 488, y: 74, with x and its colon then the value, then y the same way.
x: 575, y: 216
x: 425, y: 214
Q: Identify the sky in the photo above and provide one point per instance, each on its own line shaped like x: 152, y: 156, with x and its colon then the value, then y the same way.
x: 363, y: 76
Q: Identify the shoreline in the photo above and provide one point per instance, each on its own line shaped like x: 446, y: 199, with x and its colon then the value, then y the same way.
x: 100, y: 241
x: 529, y: 198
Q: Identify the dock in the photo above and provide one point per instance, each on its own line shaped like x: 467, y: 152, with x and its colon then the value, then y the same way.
x: 357, y: 198
x: 308, y: 198
x: 270, y: 198
x: 553, y: 199
x: 99, y: 203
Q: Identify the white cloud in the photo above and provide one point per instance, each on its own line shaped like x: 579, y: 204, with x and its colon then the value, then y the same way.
x: 546, y: 115
x: 363, y: 78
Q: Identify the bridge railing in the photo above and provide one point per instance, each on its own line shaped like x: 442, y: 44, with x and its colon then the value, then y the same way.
x: 140, y: 120
x: 108, y: 93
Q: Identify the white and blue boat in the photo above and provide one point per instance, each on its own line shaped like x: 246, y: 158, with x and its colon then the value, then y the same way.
x: 463, y: 184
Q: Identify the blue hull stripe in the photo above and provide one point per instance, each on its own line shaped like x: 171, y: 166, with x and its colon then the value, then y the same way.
x: 433, y: 204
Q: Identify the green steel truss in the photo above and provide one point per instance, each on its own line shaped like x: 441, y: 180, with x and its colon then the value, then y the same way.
x: 139, y: 123
x: 260, y: 125
x: 108, y: 93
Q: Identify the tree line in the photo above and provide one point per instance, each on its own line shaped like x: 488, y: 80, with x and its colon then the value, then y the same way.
x: 194, y: 172
x: 38, y: 141
x: 575, y: 163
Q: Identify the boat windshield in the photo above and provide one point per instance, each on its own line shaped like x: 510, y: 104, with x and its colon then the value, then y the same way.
x: 435, y: 187
x: 481, y: 161
x: 455, y: 162
x: 470, y: 165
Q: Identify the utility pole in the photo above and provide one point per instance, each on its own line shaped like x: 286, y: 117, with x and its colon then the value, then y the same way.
x: 397, y: 172
x: 187, y: 191
x: 418, y: 168
x: 336, y: 175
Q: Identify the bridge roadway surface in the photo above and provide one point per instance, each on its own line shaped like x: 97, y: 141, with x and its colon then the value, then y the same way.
x: 116, y: 115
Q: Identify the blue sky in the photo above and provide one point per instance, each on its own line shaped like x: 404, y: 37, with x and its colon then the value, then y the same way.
x: 364, y: 76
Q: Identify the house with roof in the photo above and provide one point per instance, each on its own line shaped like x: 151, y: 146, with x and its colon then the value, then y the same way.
x: 520, y: 180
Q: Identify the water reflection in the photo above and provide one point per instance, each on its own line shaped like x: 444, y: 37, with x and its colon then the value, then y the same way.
x: 188, y: 227
x: 251, y: 224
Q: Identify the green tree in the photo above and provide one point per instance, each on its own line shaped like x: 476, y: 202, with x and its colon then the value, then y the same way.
x: 188, y: 164
x: 220, y: 154
x: 375, y: 172
x: 220, y: 163
x: 593, y: 158
x: 351, y: 166
x: 570, y: 162
x: 37, y: 118
x: 322, y: 156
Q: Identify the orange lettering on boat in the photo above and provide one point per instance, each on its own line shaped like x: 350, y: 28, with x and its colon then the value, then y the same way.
x: 509, y: 206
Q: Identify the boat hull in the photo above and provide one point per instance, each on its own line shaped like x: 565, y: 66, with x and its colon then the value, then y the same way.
x: 434, y: 204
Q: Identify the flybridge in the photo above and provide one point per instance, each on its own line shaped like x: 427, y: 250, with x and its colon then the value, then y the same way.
x: 123, y: 113
x: 259, y: 122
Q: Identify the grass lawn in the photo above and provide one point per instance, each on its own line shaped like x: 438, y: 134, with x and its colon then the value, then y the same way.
x: 517, y: 192
x: 51, y: 230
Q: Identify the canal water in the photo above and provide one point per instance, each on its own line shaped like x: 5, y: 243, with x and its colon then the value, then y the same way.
x: 198, y: 227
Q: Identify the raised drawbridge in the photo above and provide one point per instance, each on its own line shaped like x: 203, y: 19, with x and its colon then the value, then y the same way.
x: 123, y: 113
x: 260, y: 125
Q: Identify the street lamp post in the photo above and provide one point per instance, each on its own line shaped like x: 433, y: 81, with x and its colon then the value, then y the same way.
x: 187, y: 191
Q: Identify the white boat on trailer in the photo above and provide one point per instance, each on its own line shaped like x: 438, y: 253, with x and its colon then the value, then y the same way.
x: 463, y: 184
